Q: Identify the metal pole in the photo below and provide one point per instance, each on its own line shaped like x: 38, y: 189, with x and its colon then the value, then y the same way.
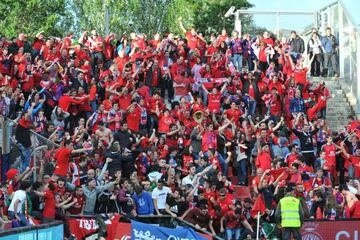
x: 238, y: 22
x: 35, y: 160
x: 277, y: 24
x: 258, y: 226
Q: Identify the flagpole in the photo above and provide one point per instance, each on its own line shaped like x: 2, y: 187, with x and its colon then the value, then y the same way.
x: 258, y: 226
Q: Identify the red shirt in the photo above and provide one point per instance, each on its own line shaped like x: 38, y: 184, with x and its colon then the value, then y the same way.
x: 62, y: 156
x: 263, y: 161
x: 214, y: 102
x: 50, y: 204
x: 275, y: 106
x: 330, y: 154
x: 192, y: 41
x: 225, y: 204
x: 209, y: 140
x: 291, y: 158
x: 233, y: 222
x: 182, y: 90
x: 164, y: 123
x: 125, y: 101
x: 300, y: 76
x: 233, y: 113
x: 355, y: 210
x: 77, y: 207
x: 133, y: 119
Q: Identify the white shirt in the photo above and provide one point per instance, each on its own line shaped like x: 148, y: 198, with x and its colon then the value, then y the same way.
x: 187, y: 180
x: 160, y: 195
x: 18, y: 195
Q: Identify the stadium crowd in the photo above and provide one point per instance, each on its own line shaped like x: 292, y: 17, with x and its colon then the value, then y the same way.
x: 174, y: 125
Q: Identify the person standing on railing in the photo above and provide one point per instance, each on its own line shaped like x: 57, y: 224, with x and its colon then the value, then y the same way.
x: 22, y: 136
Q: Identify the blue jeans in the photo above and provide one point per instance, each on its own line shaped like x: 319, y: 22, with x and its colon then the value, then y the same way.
x: 232, y: 232
x: 252, y: 106
x: 25, y: 154
x: 5, y: 165
x: 241, y: 171
x: 23, y: 221
x: 237, y: 61
x: 93, y: 106
x: 224, y: 166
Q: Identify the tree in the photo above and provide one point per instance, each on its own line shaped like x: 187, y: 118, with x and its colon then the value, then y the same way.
x: 209, y: 15
x: 151, y: 16
x: 31, y: 16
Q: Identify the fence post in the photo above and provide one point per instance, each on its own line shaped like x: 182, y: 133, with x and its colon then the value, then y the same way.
x: 34, y: 165
x: 258, y: 226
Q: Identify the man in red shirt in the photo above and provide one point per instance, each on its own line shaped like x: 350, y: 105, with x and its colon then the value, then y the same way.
x: 233, y: 113
x: 191, y: 36
x: 63, y: 155
x: 49, y: 202
x: 330, y: 155
x: 225, y: 201
x: 275, y: 104
x: 355, y: 160
x: 214, y: 98
x: 263, y: 159
x: 293, y: 155
x: 234, y: 221
x: 181, y: 86
x: 78, y: 207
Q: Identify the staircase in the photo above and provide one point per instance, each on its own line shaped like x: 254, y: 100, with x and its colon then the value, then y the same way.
x: 338, y: 106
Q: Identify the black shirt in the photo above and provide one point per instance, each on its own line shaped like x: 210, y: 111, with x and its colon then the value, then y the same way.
x: 177, y: 207
x: 268, y: 194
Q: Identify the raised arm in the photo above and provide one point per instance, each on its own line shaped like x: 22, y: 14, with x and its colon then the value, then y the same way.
x: 181, y: 25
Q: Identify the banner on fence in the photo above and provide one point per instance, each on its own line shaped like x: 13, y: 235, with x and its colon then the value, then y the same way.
x: 337, y: 230
x: 86, y: 227
x: 143, y: 231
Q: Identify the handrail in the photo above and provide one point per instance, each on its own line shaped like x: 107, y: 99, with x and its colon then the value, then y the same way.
x: 348, y: 15
x: 33, y: 132
x: 159, y: 216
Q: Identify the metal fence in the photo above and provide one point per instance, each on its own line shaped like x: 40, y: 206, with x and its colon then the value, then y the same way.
x: 39, y: 144
x: 337, y: 17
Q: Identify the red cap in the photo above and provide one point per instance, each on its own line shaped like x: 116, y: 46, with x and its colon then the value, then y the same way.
x: 11, y: 173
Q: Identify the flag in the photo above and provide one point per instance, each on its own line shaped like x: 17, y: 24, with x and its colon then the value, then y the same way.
x: 259, y: 206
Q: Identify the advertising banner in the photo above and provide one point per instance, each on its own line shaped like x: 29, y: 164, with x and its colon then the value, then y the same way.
x: 143, y: 231
x: 87, y: 227
x: 337, y: 230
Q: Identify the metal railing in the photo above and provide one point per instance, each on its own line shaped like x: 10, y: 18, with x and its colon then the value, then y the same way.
x: 157, y: 217
x: 337, y: 17
x: 39, y: 143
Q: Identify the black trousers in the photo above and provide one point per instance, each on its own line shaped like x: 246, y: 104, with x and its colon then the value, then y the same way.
x: 291, y: 231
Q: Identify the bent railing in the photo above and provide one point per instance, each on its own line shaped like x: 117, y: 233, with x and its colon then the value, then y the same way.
x: 40, y: 144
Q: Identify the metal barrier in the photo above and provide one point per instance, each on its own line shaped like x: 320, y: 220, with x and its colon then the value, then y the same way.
x: 347, y: 31
x: 39, y: 142
x: 48, y: 231
x: 143, y: 217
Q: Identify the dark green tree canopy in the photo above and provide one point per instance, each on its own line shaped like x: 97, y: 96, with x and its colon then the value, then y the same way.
x: 57, y: 17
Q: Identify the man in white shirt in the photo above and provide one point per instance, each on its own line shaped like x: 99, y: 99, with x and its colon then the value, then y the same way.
x: 15, y: 210
x: 159, y: 196
x: 190, y: 177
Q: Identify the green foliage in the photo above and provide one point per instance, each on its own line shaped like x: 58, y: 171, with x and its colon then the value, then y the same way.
x: 30, y: 16
x: 57, y: 17
x: 209, y: 15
